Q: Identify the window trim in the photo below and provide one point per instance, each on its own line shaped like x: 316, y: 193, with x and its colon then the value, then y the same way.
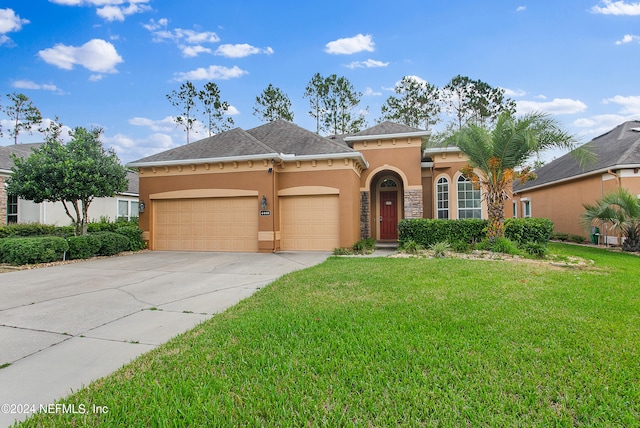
x: 526, y: 208
x: 12, y: 218
x: 446, y: 211
x: 461, y: 179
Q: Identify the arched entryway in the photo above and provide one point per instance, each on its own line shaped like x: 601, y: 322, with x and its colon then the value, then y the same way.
x: 387, y: 195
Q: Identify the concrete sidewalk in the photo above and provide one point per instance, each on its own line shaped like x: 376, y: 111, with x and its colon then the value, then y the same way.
x: 62, y: 327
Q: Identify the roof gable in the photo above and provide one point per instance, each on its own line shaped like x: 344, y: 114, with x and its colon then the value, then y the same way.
x: 20, y: 150
x: 618, y: 147
x: 387, y: 128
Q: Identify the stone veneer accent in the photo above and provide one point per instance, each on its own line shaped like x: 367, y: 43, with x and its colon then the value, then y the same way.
x: 3, y: 203
x: 364, y: 215
x: 413, y: 203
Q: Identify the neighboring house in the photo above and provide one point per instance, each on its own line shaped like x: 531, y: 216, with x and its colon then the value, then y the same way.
x: 563, y: 186
x: 17, y: 210
x: 280, y: 187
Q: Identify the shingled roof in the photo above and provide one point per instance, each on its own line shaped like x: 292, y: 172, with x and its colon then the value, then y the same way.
x: 20, y: 150
x: 272, y: 139
x: 618, y: 148
x: 388, y: 128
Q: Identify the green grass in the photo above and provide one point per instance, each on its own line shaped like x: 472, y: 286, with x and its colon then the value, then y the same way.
x: 409, y: 342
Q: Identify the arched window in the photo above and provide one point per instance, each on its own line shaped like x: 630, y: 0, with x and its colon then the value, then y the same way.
x: 442, y: 198
x: 468, y: 199
x: 388, y: 182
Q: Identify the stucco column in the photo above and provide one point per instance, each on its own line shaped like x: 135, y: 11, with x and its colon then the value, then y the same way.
x: 413, y: 207
x: 364, y: 215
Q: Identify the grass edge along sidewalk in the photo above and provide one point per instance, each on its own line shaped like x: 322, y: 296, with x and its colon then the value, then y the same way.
x: 381, y: 342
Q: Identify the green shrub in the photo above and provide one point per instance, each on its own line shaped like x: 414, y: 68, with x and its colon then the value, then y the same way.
x: 523, y: 230
x: 28, y: 229
x: 111, y: 243
x: 560, y: 236
x: 364, y: 246
x: 535, y: 249
x: 411, y: 247
x: 102, y: 226
x: 429, y: 231
x: 578, y: 239
x: 83, y: 247
x: 342, y: 252
x: 440, y: 249
x: 505, y: 246
x: 461, y: 246
x: 21, y: 251
x: 134, y: 233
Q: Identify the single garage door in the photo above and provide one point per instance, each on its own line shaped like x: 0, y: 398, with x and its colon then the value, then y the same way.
x: 206, y: 224
x: 309, y: 223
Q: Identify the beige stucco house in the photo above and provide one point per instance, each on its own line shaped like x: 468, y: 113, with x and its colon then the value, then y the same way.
x: 17, y: 210
x: 563, y: 186
x: 280, y: 187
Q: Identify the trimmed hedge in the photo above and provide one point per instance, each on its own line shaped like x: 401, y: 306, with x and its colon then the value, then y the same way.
x: 31, y: 229
x: 134, y: 233
x: 83, y: 247
x: 427, y: 232
x: 22, y: 251
x: 523, y: 230
x: 111, y: 243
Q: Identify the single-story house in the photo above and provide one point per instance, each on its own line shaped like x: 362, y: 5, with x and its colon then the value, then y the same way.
x: 280, y: 187
x: 17, y: 210
x: 563, y: 186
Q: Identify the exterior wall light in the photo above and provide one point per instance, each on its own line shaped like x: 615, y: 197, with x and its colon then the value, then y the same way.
x: 141, y: 206
x: 264, y: 202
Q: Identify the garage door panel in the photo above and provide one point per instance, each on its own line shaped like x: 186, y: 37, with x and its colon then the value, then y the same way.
x: 310, y: 222
x: 207, y: 224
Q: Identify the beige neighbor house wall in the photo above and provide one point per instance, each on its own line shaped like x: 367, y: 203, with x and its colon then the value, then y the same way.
x: 563, y: 202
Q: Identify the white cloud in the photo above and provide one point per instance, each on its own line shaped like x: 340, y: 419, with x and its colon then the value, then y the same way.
x: 129, y: 149
x: 193, y: 51
x: 9, y: 22
x: 210, y: 73
x: 163, y: 125
x: 96, y: 55
x: 370, y: 92
x: 232, y: 111
x: 241, y: 50
x: 556, y: 106
x: 154, y: 26
x: 28, y: 84
x: 628, y: 38
x: 110, y: 10
x: 521, y: 8
x: 630, y: 105
x: 617, y: 8
x: 350, y: 45
x: 370, y: 63
x: 514, y: 92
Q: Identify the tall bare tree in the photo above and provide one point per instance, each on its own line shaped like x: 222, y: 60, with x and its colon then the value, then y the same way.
x: 273, y: 104
x: 184, y: 100
x: 214, y: 109
x: 23, y: 113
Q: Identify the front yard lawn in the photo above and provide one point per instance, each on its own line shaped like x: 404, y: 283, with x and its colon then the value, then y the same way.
x: 392, y: 341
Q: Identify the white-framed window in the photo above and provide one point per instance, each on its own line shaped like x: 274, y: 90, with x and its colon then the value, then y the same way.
x: 442, y: 198
x: 526, y: 208
x: 127, y: 209
x: 515, y: 210
x: 469, y: 199
x: 12, y: 209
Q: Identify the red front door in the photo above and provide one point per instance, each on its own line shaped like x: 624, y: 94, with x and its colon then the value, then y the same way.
x: 388, y: 215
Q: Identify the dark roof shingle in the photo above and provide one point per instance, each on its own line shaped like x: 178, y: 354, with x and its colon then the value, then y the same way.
x: 618, y: 147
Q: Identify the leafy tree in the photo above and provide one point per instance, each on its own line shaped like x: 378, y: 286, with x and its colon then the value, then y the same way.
x: 498, y: 154
x: 73, y: 174
x: 23, y: 113
x: 341, y: 101
x: 214, y: 109
x: 273, y: 104
x: 475, y: 102
x: 416, y: 105
x: 184, y: 100
x: 622, y: 209
x: 317, y: 91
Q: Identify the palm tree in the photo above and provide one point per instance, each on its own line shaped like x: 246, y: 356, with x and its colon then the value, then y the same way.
x: 499, y: 156
x: 622, y: 209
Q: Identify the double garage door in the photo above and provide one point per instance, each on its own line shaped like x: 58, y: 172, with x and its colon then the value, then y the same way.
x: 309, y: 222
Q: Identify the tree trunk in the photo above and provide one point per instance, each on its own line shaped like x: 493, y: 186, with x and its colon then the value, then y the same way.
x: 495, y: 207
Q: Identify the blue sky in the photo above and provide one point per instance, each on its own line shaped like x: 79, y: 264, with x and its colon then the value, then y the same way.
x: 110, y: 63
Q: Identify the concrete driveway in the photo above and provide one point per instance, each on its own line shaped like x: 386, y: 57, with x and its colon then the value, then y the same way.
x: 62, y: 327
